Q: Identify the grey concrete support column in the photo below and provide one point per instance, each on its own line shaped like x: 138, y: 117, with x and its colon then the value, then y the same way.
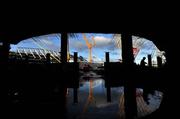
x: 129, y: 88
x: 108, y: 88
x: 75, y: 91
x: 149, y: 61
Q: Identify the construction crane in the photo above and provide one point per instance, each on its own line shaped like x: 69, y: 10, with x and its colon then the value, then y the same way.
x: 90, y: 46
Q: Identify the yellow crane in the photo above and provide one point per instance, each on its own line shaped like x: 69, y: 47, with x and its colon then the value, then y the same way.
x: 90, y: 46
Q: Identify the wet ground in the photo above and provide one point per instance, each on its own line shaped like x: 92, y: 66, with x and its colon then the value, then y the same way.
x: 92, y: 101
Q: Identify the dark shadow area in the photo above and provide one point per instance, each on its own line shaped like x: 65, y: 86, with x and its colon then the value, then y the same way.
x: 34, y: 90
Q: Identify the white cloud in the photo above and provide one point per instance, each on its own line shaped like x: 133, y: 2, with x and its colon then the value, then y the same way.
x: 78, y: 45
x: 102, y: 41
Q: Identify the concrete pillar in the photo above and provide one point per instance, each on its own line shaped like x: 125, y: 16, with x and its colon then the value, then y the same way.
x: 108, y: 88
x: 107, y: 57
x: 159, y: 62
x: 129, y: 85
x: 48, y: 60
x: 64, y: 41
x: 75, y: 91
x: 75, y: 57
x: 149, y: 61
x: 63, y: 58
x: 127, y: 50
x: 4, y: 53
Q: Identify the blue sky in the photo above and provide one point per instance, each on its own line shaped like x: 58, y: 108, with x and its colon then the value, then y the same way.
x: 51, y: 41
x: 104, y: 43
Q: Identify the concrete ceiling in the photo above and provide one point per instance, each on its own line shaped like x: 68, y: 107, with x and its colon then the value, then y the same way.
x: 14, y: 33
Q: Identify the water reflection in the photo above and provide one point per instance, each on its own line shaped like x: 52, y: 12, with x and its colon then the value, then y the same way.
x: 93, y: 103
